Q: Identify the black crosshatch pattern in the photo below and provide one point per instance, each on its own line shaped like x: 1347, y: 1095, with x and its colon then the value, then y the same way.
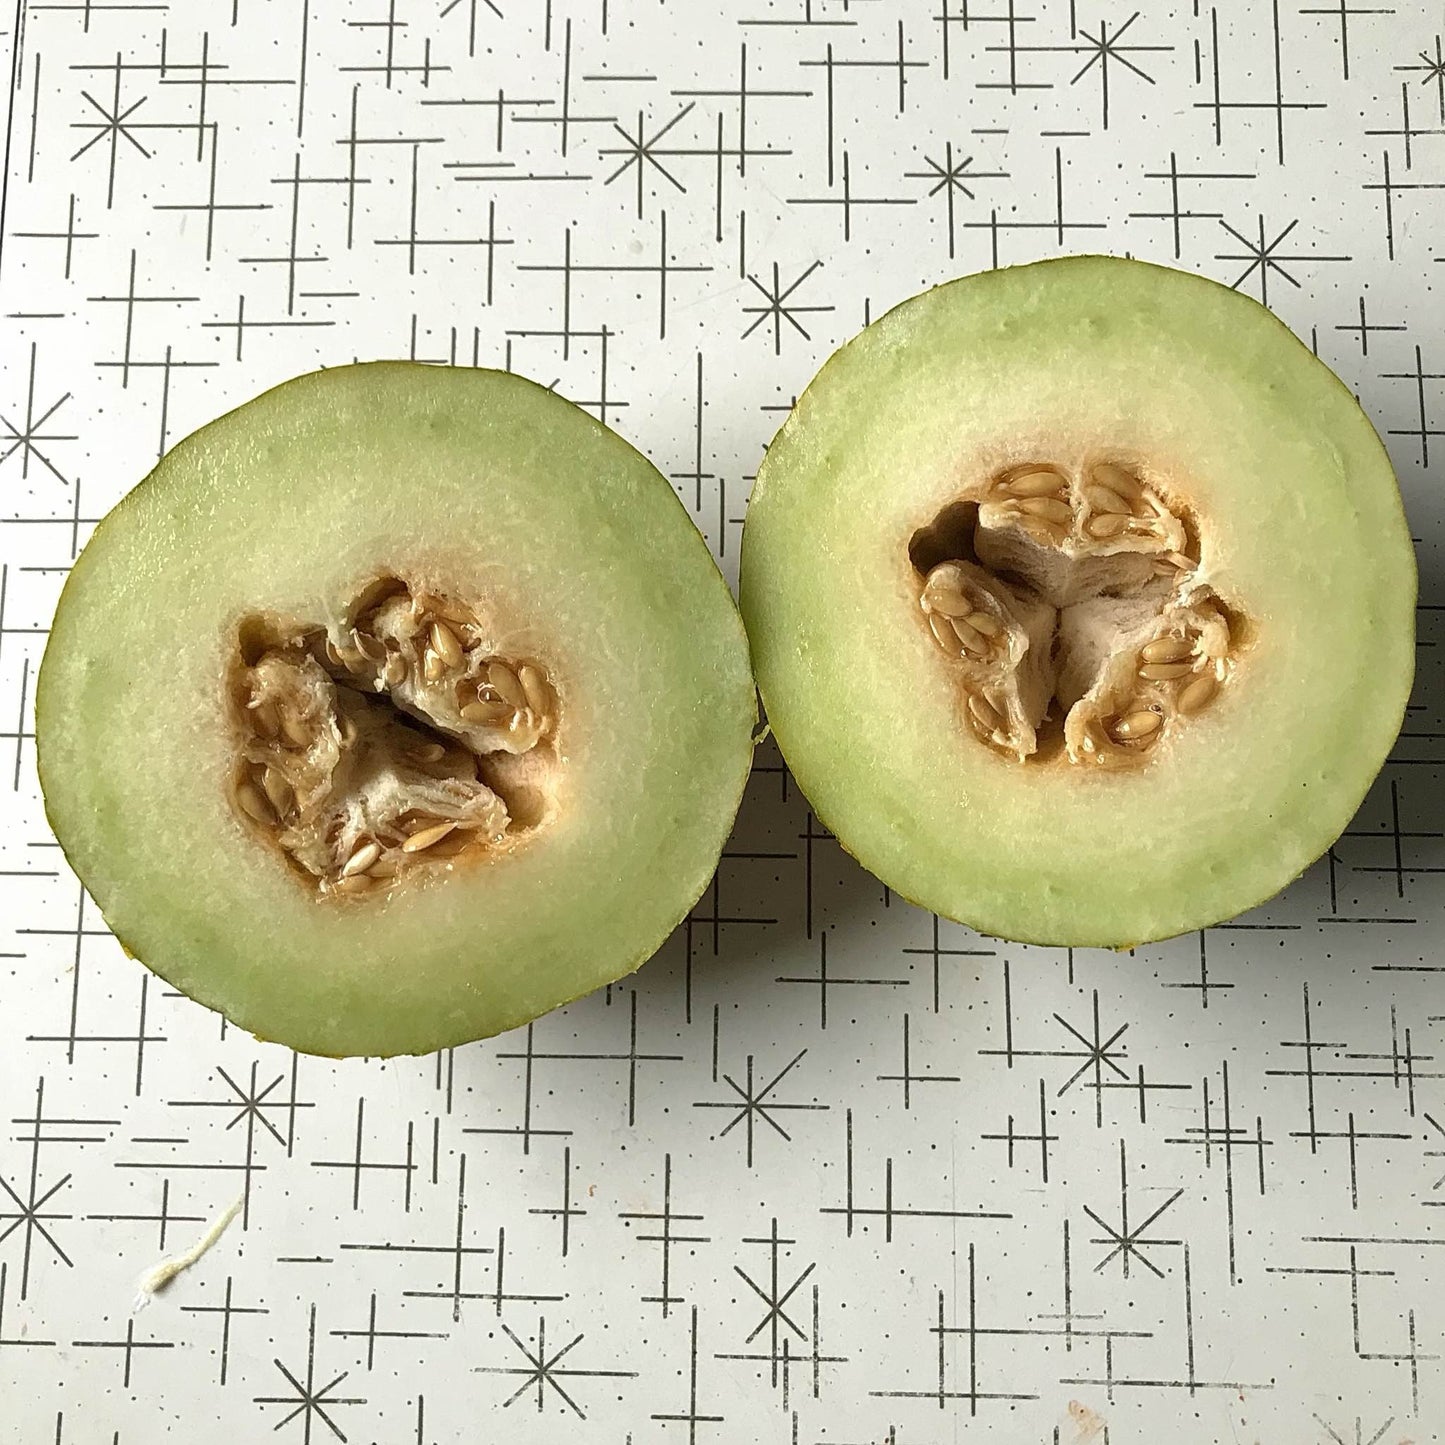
x: 830, y: 1170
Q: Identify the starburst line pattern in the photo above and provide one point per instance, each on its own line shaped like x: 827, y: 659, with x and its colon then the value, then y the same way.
x: 544, y: 1372
x: 26, y: 437
x: 248, y: 1107
x: 1095, y: 1053
x: 309, y: 1404
x: 29, y: 1214
x: 115, y: 125
x: 754, y: 1105
x: 783, y: 1357
x: 641, y: 151
x: 950, y: 179
x: 112, y: 123
x: 773, y: 1295
x: 949, y: 174
x: 1265, y: 259
x: 1125, y: 1243
x: 778, y: 310
x: 1432, y: 72
x: 1105, y: 49
x: 1358, y: 1437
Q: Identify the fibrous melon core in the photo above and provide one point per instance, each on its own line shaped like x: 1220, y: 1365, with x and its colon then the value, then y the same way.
x: 1070, y: 605
x: 396, y: 738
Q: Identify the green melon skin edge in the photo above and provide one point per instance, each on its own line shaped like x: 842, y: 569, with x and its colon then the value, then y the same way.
x: 558, y: 546
x: 1119, y: 818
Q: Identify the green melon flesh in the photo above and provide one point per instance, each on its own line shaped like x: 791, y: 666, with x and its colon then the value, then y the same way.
x: 472, y: 480
x: 1301, y: 528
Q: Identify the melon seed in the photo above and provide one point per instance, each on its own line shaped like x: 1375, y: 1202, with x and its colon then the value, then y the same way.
x: 1106, y: 499
x: 1038, y: 483
x: 506, y: 684
x: 943, y: 634
x: 1167, y: 649
x: 444, y: 643
x: 950, y: 604
x: 969, y: 639
x: 266, y: 718
x: 1119, y: 481
x: 1141, y: 724
x: 361, y: 859
x: 278, y: 790
x: 423, y: 838
x: 1048, y: 509
x: 253, y: 803
x: 1106, y: 524
x: 984, y: 713
x: 1197, y: 693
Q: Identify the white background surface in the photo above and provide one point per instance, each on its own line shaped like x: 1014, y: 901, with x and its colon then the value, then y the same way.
x: 724, y: 1201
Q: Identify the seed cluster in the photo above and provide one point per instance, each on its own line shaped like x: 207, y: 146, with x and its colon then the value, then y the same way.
x: 364, y: 750
x: 1038, y: 497
x: 1176, y: 674
x: 968, y: 626
x: 1148, y: 679
x: 1111, y: 504
x: 972, y: 626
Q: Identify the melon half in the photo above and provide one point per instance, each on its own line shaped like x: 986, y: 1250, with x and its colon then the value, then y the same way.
x: 1081, y: 601
x: 395, y: 708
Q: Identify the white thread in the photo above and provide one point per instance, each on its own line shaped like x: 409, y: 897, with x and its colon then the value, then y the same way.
x: 161, y: 1275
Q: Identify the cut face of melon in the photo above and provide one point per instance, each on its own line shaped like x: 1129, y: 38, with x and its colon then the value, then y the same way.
x: 1081, y: 601
x: 395, y: 708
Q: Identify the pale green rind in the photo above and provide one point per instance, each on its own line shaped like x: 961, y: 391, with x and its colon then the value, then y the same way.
x: 467, y: 479
x: 1306, y: 533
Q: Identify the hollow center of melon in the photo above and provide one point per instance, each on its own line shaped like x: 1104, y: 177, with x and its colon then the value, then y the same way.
x: 1072, y: 611
x: 393, y: 741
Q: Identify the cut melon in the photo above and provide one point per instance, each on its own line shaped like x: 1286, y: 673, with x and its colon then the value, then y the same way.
x: 395, y: 708
x: 1081, y: 601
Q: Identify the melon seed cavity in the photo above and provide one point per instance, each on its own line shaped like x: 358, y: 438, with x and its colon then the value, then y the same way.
x: 1073, y: 613
x: 393, y: 741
